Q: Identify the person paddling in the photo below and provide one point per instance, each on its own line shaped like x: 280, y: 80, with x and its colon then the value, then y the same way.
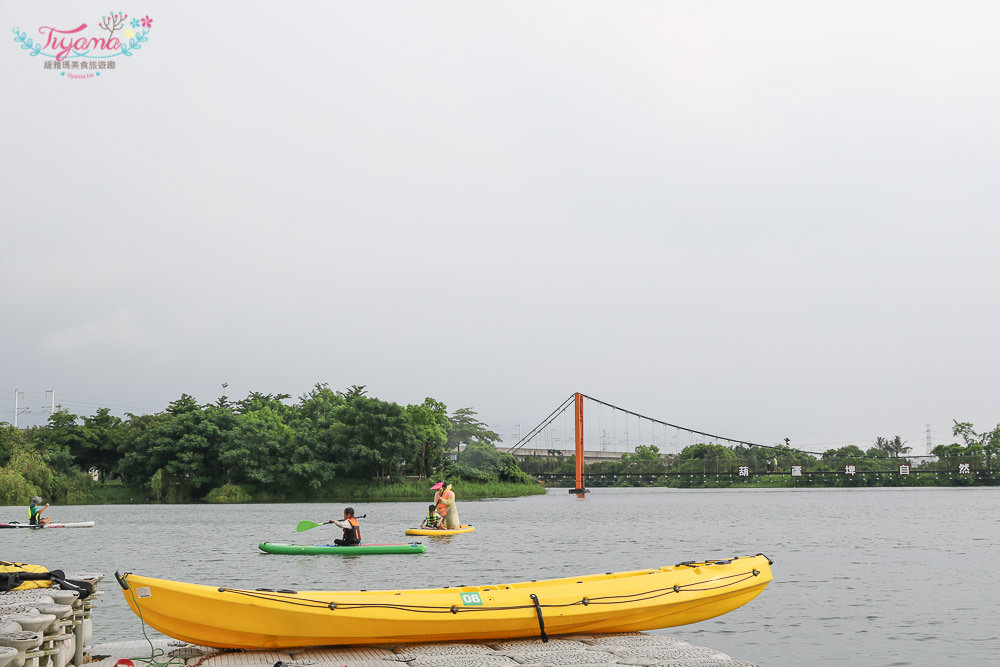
x: 35, y: 517
x: 439, y: 505
x: 352, y: 531
x: 446, y: 499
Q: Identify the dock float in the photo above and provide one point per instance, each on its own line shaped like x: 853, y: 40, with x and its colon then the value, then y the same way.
x: 635, y: 648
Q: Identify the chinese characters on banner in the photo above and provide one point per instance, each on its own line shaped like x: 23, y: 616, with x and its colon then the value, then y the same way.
x: 852, y: 469
x: 76, y: 64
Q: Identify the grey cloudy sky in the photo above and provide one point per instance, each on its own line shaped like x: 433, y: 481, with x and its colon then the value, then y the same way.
x: 763, y: 220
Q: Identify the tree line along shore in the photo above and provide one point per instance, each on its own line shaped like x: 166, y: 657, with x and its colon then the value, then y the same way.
x: 264, y: 448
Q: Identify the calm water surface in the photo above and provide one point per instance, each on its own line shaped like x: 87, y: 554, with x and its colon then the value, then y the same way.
x: 862, y: 576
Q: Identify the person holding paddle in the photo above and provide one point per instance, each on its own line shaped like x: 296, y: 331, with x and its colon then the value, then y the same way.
x: 352, y: 531
x: 35, y: 517
x: 440, y: 507
x: 444, y: 500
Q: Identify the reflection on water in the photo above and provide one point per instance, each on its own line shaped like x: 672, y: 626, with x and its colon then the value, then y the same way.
x: 862, y: 576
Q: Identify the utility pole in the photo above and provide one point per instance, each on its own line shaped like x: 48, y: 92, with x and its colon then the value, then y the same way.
x: 17, y: 410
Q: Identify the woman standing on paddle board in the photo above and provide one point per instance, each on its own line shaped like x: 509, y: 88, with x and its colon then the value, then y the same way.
x: 445, y: 501
x: 440, y: 507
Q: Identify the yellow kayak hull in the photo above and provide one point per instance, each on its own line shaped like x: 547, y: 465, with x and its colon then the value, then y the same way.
x: 613, y: 602
x: 427, y: 532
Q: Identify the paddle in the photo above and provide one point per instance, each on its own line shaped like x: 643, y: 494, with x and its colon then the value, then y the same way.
x: 307, y: 525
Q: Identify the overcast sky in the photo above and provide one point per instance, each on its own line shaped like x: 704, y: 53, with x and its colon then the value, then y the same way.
x: 761, y: 220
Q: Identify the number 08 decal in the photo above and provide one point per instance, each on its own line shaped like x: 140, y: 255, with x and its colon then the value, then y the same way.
x: 472, y: 600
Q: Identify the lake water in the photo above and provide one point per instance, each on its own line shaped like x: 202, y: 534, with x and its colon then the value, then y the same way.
x: 874, y: 577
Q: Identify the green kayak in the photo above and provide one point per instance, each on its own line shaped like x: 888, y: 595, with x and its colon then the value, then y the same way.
x: 276, y: 548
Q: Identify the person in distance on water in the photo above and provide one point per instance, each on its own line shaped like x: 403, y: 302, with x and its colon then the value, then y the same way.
x: 35, y: 517
x: 352, y: 531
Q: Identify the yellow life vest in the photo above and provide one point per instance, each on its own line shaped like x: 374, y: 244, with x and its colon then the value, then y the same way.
x: 14, y: 568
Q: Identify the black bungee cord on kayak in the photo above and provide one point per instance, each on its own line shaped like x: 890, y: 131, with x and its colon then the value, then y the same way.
x: 285, y: 597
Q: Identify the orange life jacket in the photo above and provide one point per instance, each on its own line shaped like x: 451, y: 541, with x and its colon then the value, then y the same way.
x: 441, y: 508
x: 352, y: 534
x: 442, y: 505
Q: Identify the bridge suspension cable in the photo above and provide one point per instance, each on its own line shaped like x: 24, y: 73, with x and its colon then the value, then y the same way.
x: 615, y: 408
x: 680, y: 428
x: 538, y: 429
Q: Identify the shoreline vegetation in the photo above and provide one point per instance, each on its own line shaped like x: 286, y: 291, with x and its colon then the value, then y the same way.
x: 344, y: 492
x: 264, y: 448
x: 347, y: 446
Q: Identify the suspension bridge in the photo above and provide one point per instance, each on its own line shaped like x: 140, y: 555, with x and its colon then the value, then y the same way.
x: 612, y: 445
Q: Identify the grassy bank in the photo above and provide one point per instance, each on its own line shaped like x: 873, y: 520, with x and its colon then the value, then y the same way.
x: 342, y: 491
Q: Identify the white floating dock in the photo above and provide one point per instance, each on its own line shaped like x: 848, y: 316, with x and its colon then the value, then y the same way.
x: 637, y: 648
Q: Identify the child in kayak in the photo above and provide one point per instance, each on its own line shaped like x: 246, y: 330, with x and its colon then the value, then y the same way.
x: 352, y: 532
x: 433, y: 520
x: 35, y: 517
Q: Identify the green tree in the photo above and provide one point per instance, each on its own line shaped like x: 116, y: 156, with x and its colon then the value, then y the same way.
x: 311, y: 456
x: 373, y: 437
x: 949, y: 456
x: 30, y: 467
x: 947, y: 451
x: 184, y: 450
x: 894, y: 446
x: 988, y: 442
x: 466, y: 430
x: 430, y: 429
x: 253, y: 454
x: 11, y: 441
x: 482, y: 462
x: 706, y: 458
x: 318, y: 408
x: 57, y: 440
x: 258, y: 401
x: 15, y: 489
x: 100, y: 442
x: 646, y: 458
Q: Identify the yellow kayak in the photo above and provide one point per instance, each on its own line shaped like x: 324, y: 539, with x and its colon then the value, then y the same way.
x: 613, y: 602
x: 433, y: 532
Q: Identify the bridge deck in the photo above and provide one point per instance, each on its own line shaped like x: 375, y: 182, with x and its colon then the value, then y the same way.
x: 589, y: 455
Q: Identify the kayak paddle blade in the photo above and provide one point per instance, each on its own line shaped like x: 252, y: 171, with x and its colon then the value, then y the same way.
x: 306, y: 525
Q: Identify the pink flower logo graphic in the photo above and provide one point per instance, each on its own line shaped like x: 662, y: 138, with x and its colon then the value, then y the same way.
x: 147, y: 22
